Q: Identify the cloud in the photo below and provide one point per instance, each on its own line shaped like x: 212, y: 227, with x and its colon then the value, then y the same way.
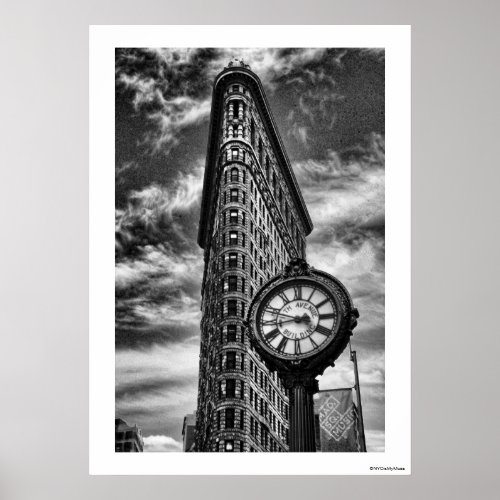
x: 156, y: 386
x: 375, y: 440
x: 169, y: 87
x: 158, y: 264
x: 160, y: 443
x: 172, y: 87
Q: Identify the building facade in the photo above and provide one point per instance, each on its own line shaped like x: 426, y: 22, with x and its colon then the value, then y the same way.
x: 188, y: 432
x: 128, y: 438
x: 253, y: 221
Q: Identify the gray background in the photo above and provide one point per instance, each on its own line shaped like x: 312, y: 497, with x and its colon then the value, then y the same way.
x: 44, y: 250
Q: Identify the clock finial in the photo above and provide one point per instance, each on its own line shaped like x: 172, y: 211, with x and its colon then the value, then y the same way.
x: 297, y: 267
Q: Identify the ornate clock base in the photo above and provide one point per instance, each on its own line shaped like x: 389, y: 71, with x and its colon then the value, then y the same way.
x: 302, y: 423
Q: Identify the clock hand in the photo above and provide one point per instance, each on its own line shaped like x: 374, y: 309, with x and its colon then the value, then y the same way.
x: 285, y: 321
x: 287, y: 315
x: 297, y: 319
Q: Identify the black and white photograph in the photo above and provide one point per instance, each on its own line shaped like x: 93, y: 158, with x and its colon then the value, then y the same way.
x: 232, y: 165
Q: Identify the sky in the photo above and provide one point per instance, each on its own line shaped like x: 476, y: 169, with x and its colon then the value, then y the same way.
x: 328, y: 105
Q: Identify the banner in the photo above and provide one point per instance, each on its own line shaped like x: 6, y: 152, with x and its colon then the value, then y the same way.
x: 337, y: 422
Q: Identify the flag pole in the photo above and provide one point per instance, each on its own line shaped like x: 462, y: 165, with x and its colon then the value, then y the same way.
x: 354, y: 359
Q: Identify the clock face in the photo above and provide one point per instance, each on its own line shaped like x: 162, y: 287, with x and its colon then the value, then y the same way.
x: 298, y: 319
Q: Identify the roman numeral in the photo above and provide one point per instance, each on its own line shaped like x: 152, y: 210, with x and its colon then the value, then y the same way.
x: 297, y: 292
x: 327, y: 316
x: 283, y: 297
x: 271, y: 310
x: 323, y: 330
x: 282, y: 344
x: 269, y: 321
x: 270, y: 336
x: 297, y: 347
x: 310, y: 296
x: 321, y: 303
x: 313, y: 343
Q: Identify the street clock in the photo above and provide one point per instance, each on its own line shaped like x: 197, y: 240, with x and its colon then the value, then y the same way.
x: 301, y: 319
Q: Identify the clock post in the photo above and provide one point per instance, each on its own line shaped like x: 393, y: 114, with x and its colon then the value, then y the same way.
x: 302, y: 388
x: 299, y: 322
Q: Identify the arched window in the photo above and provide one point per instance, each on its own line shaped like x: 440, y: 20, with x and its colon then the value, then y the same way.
x: 231, y: 333
x: 231, y: 361
x: 233, y: 260
x: 234, y: 173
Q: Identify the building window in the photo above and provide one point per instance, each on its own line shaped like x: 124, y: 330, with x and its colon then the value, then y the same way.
x: 242, y: 446
x: 230, y: 360
x: 229, y: 445
x: 242, y: 309
x: 243, y: 239
x: 231, y: 307
x: 242, y: 262
x: 230, y: 388
x: 233, y: 216
x: 233, y: 237
x: 252, y: 132
x: 234, y: 171
x: 233, y: 260
x: 260, y: 151
x: 232, y: 283
x: 243, y: 285
x: 229, y: 418
x: 236, y: 88
x: 242, y: 419
x: 233, y: 195
x: 231, y: 333
x: 242, y: 366
x: 242, y: 389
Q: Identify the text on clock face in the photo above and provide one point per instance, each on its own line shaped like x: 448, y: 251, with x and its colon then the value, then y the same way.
x: 298, y: 320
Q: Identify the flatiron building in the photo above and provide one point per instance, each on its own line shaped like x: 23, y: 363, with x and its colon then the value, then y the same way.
x: 253, y: 221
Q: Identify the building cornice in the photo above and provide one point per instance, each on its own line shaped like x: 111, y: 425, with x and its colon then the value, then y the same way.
x: 245, y: 76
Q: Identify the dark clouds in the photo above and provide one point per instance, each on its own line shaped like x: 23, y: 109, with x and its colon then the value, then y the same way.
x: 329, y: 107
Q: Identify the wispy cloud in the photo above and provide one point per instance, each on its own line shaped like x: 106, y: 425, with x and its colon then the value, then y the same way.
x: 156, y: 386
x: 160, y: 443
